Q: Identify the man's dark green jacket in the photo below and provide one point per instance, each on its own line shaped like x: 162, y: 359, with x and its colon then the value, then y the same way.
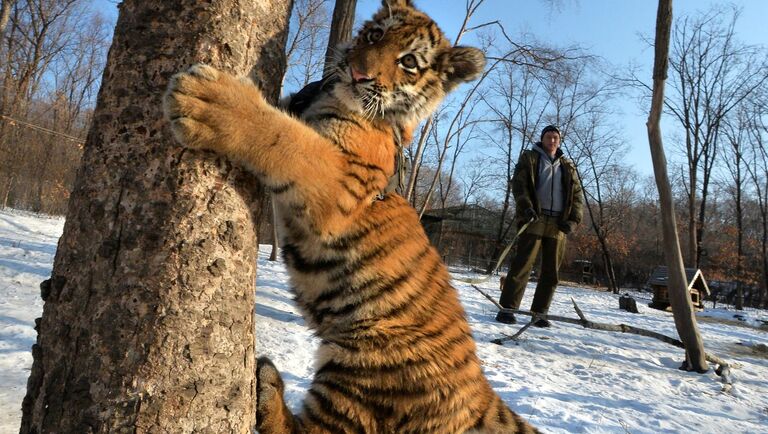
x: 524, y: 188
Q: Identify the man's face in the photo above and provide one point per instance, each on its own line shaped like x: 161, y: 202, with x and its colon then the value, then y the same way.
x: 550, y: 142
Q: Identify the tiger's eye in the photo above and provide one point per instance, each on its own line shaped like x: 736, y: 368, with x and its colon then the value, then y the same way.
x: 375, y: 35
x: 409, y: 61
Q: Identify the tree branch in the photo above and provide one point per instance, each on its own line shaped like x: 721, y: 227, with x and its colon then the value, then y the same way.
x: 584, y: 322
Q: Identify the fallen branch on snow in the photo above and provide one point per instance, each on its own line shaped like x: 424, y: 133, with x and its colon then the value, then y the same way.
x: 723, y: 368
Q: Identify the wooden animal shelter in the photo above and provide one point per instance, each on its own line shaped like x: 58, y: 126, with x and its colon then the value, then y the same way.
x: 696, y: 285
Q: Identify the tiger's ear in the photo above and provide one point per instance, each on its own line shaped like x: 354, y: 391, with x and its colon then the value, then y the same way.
x: 397, y: 3
x: 459, y: 65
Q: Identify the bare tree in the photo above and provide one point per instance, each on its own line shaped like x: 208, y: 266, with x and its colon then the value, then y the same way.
x: 577, y: 92
x: 341, y: 27
x: 579, y: 100
x: 37, y: 35
x: 466, y: 132
x: 148, y: 318
x: 40, y: 30
x: 462, y: 120
x: 5, y: 14
x: 471, y: 7
x: 416, y: 158
x: 455, y: 138
x: 713, y: 73
x: 597, y: 148
x: 516, y: 54
x: 424, y: 164
x: 474, y: 179
x: 517, y: 103
x: 735, y: 128
x: 44, y: 120
x: 307, y: 40
x: 757, y: 168
x: 74, y: 78
x: 682, y: 308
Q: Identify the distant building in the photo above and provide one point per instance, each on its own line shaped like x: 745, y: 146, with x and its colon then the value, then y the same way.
x: 464, y: 235
x: 659, y: 282
x: 580, y: 270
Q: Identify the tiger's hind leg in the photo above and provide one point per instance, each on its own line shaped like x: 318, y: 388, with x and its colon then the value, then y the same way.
x: 272, y: 415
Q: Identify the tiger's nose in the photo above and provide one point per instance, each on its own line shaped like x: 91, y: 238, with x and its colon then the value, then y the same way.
x: 358, y: 76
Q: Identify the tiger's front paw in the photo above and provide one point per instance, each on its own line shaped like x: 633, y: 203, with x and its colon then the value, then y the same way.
x: 208, y: 109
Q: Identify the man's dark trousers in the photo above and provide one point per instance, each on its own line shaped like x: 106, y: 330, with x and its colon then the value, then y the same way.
x: 542, y: 234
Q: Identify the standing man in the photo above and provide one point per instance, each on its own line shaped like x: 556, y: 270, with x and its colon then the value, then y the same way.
x: 547, y: 193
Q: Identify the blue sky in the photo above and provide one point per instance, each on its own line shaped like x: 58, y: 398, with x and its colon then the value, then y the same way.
x: 611, y: 29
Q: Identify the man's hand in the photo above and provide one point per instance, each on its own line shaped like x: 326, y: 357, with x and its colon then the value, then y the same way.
x: 566, y: 227
x: 531, y: 215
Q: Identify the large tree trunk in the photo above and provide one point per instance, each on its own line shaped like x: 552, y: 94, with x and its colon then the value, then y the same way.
x: 739, y: 237
x: 682, y: 308
x: 148, y: 318
x: 610, y: 273
x: 600, y: 232
x: 764, y: 254
x: 502, y: 232
x: 5, y: 14
x: 693, y: 246
x: 275, y: 234
x: 341, y: 27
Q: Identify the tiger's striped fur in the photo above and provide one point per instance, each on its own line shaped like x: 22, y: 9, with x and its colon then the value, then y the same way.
x: 397, y: 354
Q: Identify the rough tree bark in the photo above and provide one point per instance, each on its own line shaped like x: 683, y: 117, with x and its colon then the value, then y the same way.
x: 5, y: 14
x: 682, y: 308
x: 341, y: 26
x: 148, y: 318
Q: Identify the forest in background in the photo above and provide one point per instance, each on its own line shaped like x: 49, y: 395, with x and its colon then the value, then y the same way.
x: 54, y: 52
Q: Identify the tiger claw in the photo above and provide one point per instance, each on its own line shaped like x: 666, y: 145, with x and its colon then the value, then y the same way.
x: 187, y: 108
x: 203, y: 71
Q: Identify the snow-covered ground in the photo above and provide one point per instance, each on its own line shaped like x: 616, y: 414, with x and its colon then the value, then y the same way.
x: 564, y: 380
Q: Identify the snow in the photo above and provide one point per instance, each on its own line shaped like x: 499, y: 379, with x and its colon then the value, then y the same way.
x: 565, y: 379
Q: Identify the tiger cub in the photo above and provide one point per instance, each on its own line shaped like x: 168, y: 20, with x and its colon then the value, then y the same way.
x: 397, y: 354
